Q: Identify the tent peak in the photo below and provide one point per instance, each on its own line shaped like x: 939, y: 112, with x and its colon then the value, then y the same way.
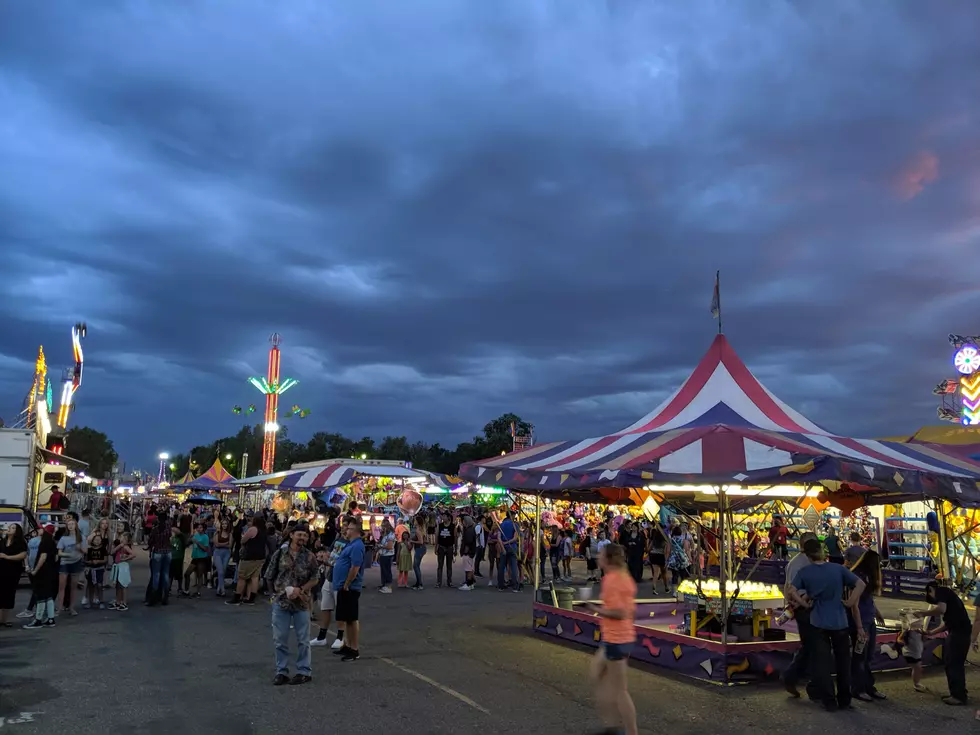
x: 722, y: 390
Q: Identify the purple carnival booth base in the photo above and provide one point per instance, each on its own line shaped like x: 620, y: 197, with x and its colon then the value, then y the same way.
x: 704, y: 659
x: 898, y: 583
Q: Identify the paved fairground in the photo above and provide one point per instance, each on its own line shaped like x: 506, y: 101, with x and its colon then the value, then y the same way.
x: 436, y: 661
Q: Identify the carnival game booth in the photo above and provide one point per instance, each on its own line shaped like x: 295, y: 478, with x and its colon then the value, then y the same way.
x: 722, y: 434
x: 960, y: 526
x: 373, y: 483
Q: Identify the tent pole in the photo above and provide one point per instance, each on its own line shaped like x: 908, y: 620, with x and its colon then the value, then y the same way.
x: 944, y: 567
x: 722, y: 541
x: 537, y: 544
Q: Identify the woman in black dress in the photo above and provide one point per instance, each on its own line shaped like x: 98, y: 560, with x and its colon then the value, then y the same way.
x: 13, y: 551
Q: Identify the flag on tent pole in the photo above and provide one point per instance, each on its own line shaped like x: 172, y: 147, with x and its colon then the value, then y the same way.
x: 716, y: 300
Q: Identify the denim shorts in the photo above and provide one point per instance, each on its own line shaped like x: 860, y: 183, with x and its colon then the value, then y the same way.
x: 76, y: 567
x: 96, y: 575
x: 616, y: 651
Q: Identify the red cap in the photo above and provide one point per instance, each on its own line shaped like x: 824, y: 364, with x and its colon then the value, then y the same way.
x: 49, y: 528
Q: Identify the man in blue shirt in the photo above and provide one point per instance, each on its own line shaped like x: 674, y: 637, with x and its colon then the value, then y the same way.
x: 348, y: 576
x: 829, y: 641
x: 508, y: 560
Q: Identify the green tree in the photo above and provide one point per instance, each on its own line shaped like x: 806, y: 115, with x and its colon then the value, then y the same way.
x: 497, y: 433
x: 365, y: 448
x: 324, y: 445
x: 394, y: 447
x: 92, y: 447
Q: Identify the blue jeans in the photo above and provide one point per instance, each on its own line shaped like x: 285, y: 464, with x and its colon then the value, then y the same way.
x: 300, y: 620
x: 862, y: 679
x: 385, y: 562
x: 508, y: 560
x: 221, y: 559
x: 419, y: 553
x: 159, y: 575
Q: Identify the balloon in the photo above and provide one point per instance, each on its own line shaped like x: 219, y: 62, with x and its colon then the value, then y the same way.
x: 409, y: 502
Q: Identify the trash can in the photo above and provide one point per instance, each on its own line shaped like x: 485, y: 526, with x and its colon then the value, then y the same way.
x: 566, y: 595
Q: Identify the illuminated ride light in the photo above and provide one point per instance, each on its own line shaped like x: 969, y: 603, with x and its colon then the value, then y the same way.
x: 271, y: 386
x: 967, y: 362
x: 73, y: 381
x: 967, y: 359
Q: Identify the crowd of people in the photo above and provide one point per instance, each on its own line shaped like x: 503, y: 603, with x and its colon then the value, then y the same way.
x: 61, y: 561
x: 307, y: 572
x: 833, y: 601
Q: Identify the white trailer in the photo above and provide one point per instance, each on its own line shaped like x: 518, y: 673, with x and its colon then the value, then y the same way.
x: 18, y: 475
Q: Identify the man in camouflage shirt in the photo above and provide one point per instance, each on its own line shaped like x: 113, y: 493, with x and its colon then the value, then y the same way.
x: 291, y: 574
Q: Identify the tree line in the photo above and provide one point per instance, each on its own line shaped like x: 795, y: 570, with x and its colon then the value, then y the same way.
x: 96, y: 448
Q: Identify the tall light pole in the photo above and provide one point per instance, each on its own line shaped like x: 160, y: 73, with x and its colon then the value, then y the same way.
x: 163, y: 461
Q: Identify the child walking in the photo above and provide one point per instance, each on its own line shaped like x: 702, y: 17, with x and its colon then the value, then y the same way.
x: 911, y: 640
x: 121, y: 576
x: 95, y: 561
x: 404, y: 559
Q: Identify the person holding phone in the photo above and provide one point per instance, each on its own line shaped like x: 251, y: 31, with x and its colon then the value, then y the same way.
x: 291, y: 574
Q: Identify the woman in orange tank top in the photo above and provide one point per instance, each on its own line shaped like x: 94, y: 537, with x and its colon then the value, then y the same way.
x: 616, y: 616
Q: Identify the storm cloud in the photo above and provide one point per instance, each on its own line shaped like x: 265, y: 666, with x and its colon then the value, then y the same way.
x: 451, y: 210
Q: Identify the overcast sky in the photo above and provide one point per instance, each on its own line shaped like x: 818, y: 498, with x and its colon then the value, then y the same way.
x: 450, y: 210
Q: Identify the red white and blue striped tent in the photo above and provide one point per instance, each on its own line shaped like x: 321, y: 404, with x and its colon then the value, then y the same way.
x: 723, y: 427
x: 337, y: 474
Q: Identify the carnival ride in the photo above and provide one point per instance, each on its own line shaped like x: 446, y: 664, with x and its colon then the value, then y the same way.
x: 73, y: 375
x: 40, y: 390
x: 961, y: 396
x: 272, y: 386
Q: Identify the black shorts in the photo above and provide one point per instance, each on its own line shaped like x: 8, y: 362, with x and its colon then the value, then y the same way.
x: 347, y: 606
x: 591, y: 564
x: 658, y: 560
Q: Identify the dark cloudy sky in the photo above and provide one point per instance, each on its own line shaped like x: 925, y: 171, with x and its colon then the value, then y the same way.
x: 453, y: 209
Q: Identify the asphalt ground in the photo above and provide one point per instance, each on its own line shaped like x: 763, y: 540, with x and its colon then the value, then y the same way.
x: 435, y: 661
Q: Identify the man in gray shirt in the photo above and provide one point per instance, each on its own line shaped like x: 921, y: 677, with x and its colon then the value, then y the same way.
x: 797, y: 668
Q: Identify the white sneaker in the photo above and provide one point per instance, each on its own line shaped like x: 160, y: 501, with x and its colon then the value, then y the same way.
x: 337, y: 644
x: 385, y: 590
x: 489, y: 583
x: 465, y: 588
x: 25, y: 614
x: 318, y: 642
